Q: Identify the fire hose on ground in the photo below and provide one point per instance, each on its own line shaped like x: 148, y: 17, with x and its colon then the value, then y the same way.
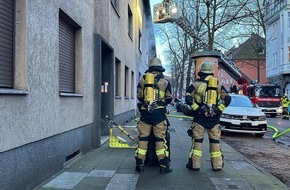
x: 276, y: 132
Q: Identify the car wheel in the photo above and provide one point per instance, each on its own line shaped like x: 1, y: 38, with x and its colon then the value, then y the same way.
x: 259, y: 134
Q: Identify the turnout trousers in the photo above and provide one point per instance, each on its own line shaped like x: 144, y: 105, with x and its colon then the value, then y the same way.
x: 161, y: 149
x: 195, y: 153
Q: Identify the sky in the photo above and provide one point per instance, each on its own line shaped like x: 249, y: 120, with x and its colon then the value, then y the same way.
x: 159, y: 44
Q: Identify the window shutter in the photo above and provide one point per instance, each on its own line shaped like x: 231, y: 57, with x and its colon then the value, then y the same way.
x: 66, y: 56
x: 6, y: 42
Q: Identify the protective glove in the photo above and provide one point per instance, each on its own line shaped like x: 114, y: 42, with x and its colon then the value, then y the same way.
x: 201, y: 111
x: 189, y: 132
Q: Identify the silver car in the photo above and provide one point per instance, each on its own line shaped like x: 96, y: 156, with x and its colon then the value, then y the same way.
x: 243, y: 117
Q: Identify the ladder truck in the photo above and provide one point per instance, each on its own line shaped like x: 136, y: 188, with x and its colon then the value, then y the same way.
x: 267, y: 97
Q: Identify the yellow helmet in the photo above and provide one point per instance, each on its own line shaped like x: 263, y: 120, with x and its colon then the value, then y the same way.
x: 155, y: 65
x: 206, y: 67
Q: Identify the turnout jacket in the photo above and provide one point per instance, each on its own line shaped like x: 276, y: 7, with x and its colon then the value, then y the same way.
x: 163, y: 94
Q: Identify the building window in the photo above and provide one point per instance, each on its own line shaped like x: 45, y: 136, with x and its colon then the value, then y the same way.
x: 130, y: 22
x: 69, y: 55
x: 115, y: 4
x: 288, y: 53
x: 275, y: 30
x: 126, y: 87
x: 288, y: 19
x: 7, y: 20
x: 117, y: 78
x: 132, y: 84
x: 282, y: 56
x: 275, y: 60
x: 140, y: 41
x: 13, y: 69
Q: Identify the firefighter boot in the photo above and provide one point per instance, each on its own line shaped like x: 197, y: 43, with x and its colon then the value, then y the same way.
x: 189, y: 165
x: 139, y: 165
x: 165, y: 166
x: 217, y: 164
x: 195, y: 154
x: 217, y: 159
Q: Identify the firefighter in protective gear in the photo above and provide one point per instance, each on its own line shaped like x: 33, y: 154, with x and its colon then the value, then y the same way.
x: 208, y: 99
x: 154, y: 93
x: 285, y: 103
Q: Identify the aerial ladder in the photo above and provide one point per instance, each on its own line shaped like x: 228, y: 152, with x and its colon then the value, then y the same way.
x: 167, y: 11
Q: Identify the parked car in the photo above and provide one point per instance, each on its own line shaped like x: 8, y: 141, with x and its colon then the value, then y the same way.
x: 243, y: 116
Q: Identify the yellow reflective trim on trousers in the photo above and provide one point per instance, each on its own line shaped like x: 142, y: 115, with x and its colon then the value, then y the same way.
x: 216, y: 154
x: 197, y: 152
x: 162, y: 151
x: 141, y: 151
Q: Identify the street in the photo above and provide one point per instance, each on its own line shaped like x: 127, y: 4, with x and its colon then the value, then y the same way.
x: 270, y: 155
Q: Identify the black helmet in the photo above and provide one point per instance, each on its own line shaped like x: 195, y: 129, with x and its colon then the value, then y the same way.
x: 155, y: 65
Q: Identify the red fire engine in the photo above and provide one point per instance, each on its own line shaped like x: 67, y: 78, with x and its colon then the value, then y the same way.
x: 266, y: 96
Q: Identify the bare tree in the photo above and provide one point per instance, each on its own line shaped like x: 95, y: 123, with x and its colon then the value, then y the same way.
x: 218, y: 23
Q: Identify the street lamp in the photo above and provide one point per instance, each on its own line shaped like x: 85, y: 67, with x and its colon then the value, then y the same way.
x: 167, y: 11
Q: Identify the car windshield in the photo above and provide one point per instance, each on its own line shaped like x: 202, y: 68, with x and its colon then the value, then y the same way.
x: 241, y: 101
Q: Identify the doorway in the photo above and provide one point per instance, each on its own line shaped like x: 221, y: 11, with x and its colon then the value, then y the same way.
x: 103, y: 88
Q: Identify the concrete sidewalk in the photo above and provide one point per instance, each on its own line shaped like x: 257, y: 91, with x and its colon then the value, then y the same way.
x: 114, y: 168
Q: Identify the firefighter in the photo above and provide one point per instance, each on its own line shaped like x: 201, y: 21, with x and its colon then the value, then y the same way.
x: 285, y: 103
x: 207, y: 99
x: 154, y: 93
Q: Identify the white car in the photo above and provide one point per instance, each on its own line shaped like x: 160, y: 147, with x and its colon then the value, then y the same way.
x: 243, y: 116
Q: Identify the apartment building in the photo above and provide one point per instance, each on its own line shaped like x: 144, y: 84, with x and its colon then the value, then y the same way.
x: 277, y: 21
x: 64, y: 66
x: 249, y: 57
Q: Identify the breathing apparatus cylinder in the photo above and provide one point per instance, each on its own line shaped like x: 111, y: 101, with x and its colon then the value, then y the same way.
x: 211, y: 95
x: 149, y: 88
